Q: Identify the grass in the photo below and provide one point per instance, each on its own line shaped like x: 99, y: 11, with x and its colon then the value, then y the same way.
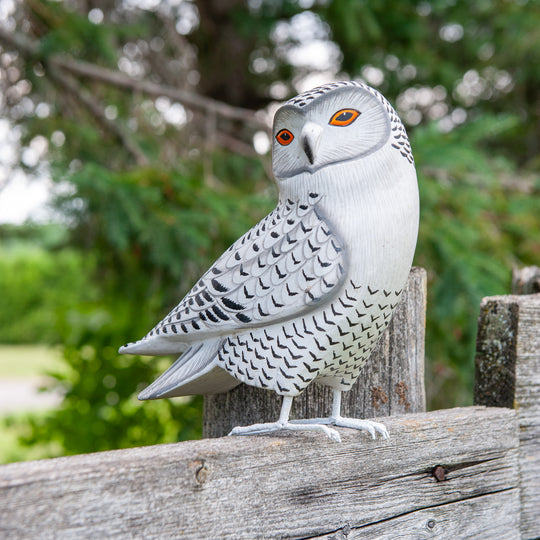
x: 18, y: 361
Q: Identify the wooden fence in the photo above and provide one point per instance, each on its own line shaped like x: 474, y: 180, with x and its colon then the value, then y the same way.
x: 467, y: 473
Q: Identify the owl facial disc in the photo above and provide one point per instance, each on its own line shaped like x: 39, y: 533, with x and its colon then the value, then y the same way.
x: 343, y: 123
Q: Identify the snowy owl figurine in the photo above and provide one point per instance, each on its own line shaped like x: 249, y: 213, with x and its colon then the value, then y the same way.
x: 304, y: 295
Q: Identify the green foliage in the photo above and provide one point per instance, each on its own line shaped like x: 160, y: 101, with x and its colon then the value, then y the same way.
x: 99, y: 410
x: 471, y: 225
x: 36, y: 287
x: 72, y: 31
x: 162, y: 224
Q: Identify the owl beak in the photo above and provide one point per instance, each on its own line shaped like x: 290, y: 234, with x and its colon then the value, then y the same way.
x: 310, y: 139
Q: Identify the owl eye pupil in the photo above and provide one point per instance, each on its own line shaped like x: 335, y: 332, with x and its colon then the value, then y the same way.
x: 344, y: 117
x: 284, y: 137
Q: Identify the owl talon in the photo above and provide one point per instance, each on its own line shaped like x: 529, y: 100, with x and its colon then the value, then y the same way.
x: 368, y: 425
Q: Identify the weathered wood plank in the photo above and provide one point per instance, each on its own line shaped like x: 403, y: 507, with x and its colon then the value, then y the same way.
x: 527, y: 404
x: 295, y: 486
x: 391, y: 383
x: 478, y: 518
x: 508, y: 374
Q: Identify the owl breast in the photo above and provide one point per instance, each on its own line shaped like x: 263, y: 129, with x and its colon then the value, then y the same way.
x: 329, y: 346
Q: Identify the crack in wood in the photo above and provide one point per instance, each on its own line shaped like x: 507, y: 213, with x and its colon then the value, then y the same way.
x: 353, y: 528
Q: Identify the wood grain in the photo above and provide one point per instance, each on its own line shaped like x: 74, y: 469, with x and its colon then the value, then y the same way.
x: 440, y: 523
x: 508, y: 374
x: 527, y: 404
x: 391, y: 383
x: 296, y: 486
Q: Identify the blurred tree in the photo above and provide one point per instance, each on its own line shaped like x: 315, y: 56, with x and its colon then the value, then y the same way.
x: 153, y: 120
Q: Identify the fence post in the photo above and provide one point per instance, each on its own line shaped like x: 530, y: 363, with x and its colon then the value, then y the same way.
x: 392, y: 382
x: 508, y: 375
x: 526, y: 280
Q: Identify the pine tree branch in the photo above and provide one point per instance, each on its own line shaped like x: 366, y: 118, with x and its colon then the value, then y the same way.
x: 120, y: 80
x: 21, y: 43
x: 31, y: 49
x: 96, y: 109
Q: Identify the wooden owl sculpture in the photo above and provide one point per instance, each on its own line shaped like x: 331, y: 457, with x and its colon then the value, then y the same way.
x: 304, y: 295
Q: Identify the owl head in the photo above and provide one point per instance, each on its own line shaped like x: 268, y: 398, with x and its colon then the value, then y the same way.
x: 334, y: 123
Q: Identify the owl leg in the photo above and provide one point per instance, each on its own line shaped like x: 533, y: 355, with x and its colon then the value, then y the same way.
x: 354, y: 423
x: 284, y: 424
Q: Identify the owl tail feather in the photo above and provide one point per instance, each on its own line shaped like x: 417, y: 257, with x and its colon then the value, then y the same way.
x: 195, y: 372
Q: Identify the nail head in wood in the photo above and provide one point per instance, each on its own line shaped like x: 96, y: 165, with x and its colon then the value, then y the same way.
x: 439, y: 473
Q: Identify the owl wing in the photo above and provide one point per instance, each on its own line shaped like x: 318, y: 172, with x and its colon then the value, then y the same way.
x: 285, y: 265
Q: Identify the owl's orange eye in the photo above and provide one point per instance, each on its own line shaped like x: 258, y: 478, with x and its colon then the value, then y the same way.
x: 344, y: 117
x: 284, y: 137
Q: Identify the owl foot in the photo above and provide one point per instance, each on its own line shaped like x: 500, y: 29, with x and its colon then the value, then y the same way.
x: 271, y: 427
x: 367, y: 425
x: 353, y: 423
x: 284, y: 424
